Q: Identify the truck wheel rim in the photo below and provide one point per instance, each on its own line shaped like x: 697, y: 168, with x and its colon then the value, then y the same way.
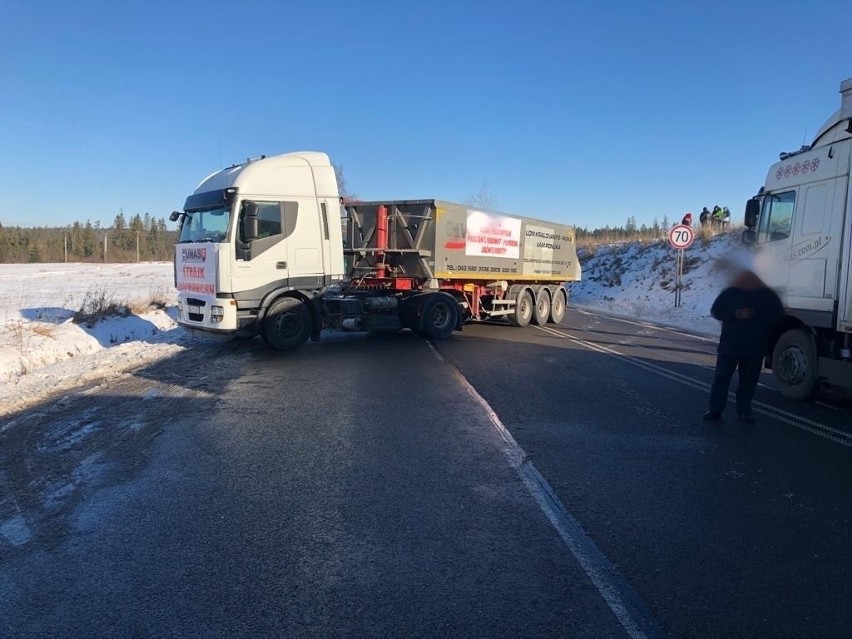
x: 792, y: 366
x: 289, y: 325
x: 439, y: 315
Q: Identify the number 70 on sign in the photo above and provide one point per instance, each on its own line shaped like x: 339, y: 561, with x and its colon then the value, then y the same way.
x: 681, y: 236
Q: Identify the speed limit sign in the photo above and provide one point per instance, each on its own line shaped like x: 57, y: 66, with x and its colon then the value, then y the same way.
x: 681, y: 236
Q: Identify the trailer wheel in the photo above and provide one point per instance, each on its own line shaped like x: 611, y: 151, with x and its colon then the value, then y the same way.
x: 542, y: 307
x: 287, y: 325
x: 794, y: 365
x: 440, y: 316
x: 523, y: 310
x: 557, y: 307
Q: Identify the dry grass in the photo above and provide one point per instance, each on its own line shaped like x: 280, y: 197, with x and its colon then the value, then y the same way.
x: 43, y: 329
x: 159, y: 300
x: 22, y: 333
x: 589, y: 244
x: 97, y: 305
x: 137, y: 307
x: 17, y: 329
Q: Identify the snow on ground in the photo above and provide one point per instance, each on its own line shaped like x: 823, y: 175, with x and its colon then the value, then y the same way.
x: 637, y: 281
x: 43, y: 351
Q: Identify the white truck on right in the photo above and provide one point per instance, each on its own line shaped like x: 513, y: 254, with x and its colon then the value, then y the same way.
x: 800, y: 224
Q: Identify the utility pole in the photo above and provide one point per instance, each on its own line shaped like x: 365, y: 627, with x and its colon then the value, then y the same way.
x: 65, y: 245
x: 137, y: 246
x: 105, y: 246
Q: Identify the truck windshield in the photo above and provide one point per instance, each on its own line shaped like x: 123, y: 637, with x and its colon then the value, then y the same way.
x: 205, y: 225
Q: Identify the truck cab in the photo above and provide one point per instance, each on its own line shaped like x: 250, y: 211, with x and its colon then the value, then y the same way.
x: 799, y: 224
x: 255, y: 232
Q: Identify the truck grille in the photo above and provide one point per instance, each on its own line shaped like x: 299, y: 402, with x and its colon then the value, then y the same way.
x: 194, y: 309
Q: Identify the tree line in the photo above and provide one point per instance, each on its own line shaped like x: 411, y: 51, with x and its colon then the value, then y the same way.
x: 630, y: 232
x: 146, y: 239
x: 143, y: 238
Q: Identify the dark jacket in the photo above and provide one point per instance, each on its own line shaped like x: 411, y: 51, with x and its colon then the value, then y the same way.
x: 747, y: 310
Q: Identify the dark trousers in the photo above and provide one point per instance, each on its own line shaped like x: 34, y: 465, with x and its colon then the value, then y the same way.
x: 749, y: 375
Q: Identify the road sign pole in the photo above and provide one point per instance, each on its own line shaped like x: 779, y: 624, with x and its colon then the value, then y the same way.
x: 681, y: 237
x: 679, y: 279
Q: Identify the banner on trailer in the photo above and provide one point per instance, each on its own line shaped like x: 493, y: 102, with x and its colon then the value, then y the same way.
x: 542, y: 245
x: 493, y: 235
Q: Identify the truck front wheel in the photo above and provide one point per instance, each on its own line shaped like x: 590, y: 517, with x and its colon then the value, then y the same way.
x: 794, y: 365
x: 440, y: 316
x: 287, y: 325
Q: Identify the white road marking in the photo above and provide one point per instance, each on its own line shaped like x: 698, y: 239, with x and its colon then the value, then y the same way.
x: 802, y: 423
x: 669, y: 329
x: 631, y: 612
x: 660, y: 327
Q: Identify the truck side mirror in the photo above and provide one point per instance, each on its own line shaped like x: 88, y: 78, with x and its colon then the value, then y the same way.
x: 249, y: 220
x: 751, y: 212
x: 749, y: 236
x: 175, y: 216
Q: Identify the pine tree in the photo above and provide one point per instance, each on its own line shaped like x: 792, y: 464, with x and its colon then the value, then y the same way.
x: 89, y: 241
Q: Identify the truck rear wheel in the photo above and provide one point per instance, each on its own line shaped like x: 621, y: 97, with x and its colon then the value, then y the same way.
x: 287, y: 325
x: 542, y: 307
x: 557, y: 307
x: 523, y: 310
x: 794, y: 365
x: 440, y: 316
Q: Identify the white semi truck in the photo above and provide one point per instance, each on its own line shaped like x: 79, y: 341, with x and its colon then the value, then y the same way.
x: 800, y: 222
x: 261, y: 252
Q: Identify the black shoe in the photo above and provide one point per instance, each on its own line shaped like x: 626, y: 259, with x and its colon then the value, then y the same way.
x: 745, y: 419
x: 711, y: 416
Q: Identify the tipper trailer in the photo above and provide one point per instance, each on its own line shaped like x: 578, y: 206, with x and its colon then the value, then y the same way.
x: 801, y: 224
x: 261, y: 252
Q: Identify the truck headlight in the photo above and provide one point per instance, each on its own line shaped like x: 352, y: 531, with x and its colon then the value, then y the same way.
x: 217, y: 313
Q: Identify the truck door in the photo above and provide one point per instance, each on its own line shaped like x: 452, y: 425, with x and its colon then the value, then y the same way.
x: 262, y: 264
x: 814, y: 253
x: 306, y: 228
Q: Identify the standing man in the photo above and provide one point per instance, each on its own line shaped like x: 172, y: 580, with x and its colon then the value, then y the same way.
x: 747, y: 309
x: 718, y: 216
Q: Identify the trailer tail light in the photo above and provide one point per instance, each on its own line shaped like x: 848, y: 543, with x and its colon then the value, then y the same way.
x: 217, y: 313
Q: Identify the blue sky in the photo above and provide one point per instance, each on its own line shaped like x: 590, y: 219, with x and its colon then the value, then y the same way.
x: 585, y: 113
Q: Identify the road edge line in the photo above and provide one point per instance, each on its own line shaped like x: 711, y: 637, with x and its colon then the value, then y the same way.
x: 624, y: 602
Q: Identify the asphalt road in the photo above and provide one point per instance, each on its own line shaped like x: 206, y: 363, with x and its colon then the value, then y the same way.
x: 723, y: 530
x: 544, y: 482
